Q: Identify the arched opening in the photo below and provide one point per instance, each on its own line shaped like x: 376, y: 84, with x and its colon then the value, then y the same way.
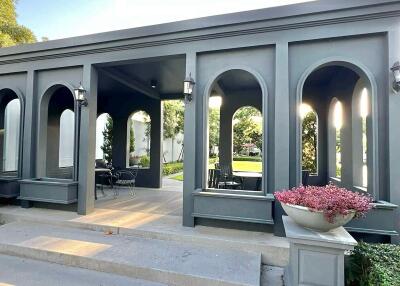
x: 341, y: 94
x: 309, y: 139
x: 335, y: 139
x: 58, y: 119
x: 104, y: 137
x: 235, y: 132
x: 138, y: 145
x: 10, y: 133
x: 361, y: 135
x: 67, y: 137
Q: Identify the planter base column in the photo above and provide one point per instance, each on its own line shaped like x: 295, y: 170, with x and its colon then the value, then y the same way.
x: 316, y: 258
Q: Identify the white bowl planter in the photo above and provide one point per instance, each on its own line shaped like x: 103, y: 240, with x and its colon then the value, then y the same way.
x: 315, y: 219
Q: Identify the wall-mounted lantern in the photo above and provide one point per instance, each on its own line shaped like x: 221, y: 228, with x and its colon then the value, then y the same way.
x: 153, y: 83
x: 80, y: 95
x: 188, y: 85
x: 396, y: 74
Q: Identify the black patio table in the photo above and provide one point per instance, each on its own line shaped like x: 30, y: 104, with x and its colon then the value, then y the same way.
x: 245, y: 175
x: 102, y: 173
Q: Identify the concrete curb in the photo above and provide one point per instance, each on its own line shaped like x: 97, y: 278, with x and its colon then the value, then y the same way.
x: 149, y: 274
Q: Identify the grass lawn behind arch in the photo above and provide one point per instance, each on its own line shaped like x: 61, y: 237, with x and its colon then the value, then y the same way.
x: 245, y: 166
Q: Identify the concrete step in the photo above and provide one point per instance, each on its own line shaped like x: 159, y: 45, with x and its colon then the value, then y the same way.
x: 169, y: 262
x: 274, y: 250
x: 29, y: 272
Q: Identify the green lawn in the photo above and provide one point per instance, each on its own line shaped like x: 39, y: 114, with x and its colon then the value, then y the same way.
x: 178, y: 177
x: 246, y: 166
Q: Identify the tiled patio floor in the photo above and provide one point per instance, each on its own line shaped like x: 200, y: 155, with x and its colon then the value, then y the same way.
x: 165, y: 201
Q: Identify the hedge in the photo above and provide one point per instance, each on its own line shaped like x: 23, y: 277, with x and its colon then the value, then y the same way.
x: 373, y: 264
x: 247, y: 158
x: 172, y: 168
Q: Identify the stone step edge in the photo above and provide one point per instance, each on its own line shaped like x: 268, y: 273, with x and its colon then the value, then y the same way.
x: 132, y: 271
x: 213, y: 243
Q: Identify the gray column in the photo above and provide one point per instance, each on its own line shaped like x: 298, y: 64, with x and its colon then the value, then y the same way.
x: 189, y: 169
x: 87, y: 143
x: 394, y: 130
x: 120, y: 139
x: 346, y: 143
x: 281, y: 132
x: 316, y: 258
x: 156, y: 144
x: 225, y: 135
x: 29, y: 134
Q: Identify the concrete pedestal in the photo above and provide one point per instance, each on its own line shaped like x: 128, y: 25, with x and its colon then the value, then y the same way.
x: 316, y: 258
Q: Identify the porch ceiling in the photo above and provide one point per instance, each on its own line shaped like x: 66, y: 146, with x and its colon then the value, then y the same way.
x: 137, y: 76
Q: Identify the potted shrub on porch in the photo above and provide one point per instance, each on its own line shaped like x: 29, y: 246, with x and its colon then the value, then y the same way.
x: 323, y: 208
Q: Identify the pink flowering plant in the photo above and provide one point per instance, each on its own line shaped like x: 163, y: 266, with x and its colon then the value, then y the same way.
x: 330, y: 199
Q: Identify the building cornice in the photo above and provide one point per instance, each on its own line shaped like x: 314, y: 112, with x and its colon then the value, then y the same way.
x: 30, y: 53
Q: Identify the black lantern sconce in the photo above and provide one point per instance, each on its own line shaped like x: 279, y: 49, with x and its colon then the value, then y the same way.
x: 188, y: 85
x: 396, y: 74
x: 80, y: 95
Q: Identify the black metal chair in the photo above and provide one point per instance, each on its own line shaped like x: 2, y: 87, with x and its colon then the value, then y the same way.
x: 126, y: 178
x: 227, y: 180
x: 213, y: 178
x: 103, y: 175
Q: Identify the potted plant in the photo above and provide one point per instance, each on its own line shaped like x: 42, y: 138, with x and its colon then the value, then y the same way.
x: 323, y: 208
x: 134, y: 160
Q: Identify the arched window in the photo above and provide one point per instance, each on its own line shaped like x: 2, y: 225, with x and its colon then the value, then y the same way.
x: 338, y: 121
x: 363, y: 114
x: 360, y: 113
x: 67, y: 138
x: 214, y: 111
x: 309, y: 139
x: 104, y: 137
x: 247, y: 139
x: 138, y: 146
x: 12, y: 115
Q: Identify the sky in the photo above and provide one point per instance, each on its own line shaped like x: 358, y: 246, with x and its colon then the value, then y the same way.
x: 57, y: 19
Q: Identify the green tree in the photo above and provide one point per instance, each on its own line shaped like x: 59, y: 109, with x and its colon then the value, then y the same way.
x: 214, y: 126
x: 173, y: 118
x: 108, y: 138
x: 247, y: 128
x: 173, y: 115
x: 12, y: 33
x: 309, y: 141
x: 131, y: 136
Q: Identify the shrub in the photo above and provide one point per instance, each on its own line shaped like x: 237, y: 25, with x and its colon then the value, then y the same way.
x: 145, y: 161
x: 172, y: 168
x: 373, y: 264
x: 248, y: 158
x: 330, y: 199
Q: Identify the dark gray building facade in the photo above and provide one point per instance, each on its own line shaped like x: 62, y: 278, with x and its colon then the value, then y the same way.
x: 274, y: 59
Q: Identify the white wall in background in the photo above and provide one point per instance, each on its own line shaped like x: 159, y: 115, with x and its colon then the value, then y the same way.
x: 11, y: 135
x: 172, y: 150
x: 67, y: 134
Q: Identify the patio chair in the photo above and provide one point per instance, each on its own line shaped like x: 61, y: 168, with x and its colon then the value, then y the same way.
x: 227, y: 180
x: 126, y: 178
x: 213, y: 178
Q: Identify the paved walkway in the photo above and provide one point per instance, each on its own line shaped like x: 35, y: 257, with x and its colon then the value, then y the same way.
x: 29, y: 272
x: 169, y: 184
x: 162, y: 261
